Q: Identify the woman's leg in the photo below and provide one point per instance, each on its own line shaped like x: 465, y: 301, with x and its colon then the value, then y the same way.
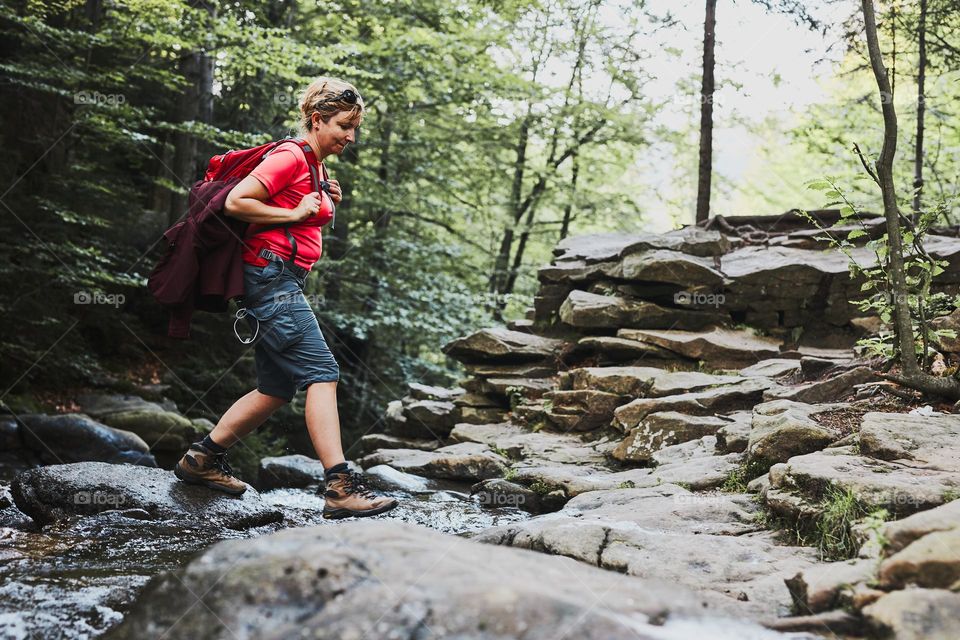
x: 323, y: 423
x: 246, y: 414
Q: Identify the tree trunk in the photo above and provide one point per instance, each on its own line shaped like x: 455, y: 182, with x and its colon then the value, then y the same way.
x: 194, y: 104
x: 568, y: 209
x: 921, y: 109
x: 706, y: 114
x: 911, y: 375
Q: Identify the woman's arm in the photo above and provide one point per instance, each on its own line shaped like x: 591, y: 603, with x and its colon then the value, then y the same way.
x: 246, y: 202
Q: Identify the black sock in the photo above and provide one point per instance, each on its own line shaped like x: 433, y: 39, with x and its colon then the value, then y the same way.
x: 340, y: 468
x: 213, y: 446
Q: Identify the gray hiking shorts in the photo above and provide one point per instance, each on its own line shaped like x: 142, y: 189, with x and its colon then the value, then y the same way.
x: 290, y: 351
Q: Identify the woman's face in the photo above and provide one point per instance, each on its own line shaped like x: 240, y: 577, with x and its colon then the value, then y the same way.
x: 332, y: 137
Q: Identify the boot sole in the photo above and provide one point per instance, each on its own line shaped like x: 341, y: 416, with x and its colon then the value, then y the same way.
x: 206, y: 483
x: 336, y: 514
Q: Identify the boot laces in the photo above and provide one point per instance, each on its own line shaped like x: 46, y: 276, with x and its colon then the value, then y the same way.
x: 356, y: 485
x: 220, y: 463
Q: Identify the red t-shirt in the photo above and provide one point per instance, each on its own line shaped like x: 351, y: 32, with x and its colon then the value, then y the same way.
x: 286, y: 177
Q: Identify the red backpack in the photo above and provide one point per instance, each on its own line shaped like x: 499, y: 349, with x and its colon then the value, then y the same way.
x: 202, y: 266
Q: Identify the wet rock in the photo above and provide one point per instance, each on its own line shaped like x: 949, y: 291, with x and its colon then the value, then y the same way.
x: 916, y: 614
x: 576, y: 480
x: 53, y: 493
x: 662, y: 429
x: 161, y: 427
x: 465, y: 461
x: 719, y: 348
x: 74, y: 437
x: 332, y: 578
x: 501, y: 345
x: 387, y: 478
x: 497, y: 492
x: 293, y: 471
x: 828, y: 586
x: 933, y: 561
x: 701, y: 403
x: 580, y: 410
x: 824, y: 390
x: 782, y: 429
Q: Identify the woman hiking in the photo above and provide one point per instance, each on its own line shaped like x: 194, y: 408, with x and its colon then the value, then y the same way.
x: 291, y: 353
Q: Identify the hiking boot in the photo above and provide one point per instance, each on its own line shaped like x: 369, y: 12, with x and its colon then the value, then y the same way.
x: 346, y: 495
x: 199, y: 465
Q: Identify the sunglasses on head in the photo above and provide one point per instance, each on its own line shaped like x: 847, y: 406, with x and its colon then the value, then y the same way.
x: 349, y: 96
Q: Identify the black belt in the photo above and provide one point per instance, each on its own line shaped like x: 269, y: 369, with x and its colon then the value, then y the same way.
x: 298, y: 271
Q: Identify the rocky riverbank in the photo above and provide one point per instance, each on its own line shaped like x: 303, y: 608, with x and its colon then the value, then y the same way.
x: 680, y: 441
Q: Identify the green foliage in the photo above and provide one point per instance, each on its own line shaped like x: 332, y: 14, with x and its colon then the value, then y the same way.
x: 831, y: 531
x: 875, y: 279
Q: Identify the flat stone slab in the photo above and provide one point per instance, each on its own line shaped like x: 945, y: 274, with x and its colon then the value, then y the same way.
x: 704, y: 542
x: 53, y: 493
x: 624, y: 381
x: 823, y: 390
x: 501, y: 345
x: 467, y: 461
x: 928, y: 442
x: 390, y: 580
x: 876, y: 483
x: 719, y: 347
x: 673, y: 382
x: 721, y: 399
x: 772, y: 368
x: 427, y: 392
x: 916, y: 614
x: 531, y: 447
x: 664, y: 265
x: 617, y: 349
x: 584, y: 310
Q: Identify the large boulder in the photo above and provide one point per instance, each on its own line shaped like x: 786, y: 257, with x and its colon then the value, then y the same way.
x: 53, y: 493
x: 823, y: 390
x: 163, y: 429
x: 74, y: 437
x: 390, y: 580
x: 580, y: 410
x: 501, y: 345
x: 532, y: 447
x: 664, y: 265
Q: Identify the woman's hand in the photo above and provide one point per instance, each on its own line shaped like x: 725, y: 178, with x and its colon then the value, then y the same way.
x: 335, y: 194
x: 309, y: 205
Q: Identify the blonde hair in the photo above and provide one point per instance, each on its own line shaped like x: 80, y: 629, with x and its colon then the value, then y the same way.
x: 320, y: 97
